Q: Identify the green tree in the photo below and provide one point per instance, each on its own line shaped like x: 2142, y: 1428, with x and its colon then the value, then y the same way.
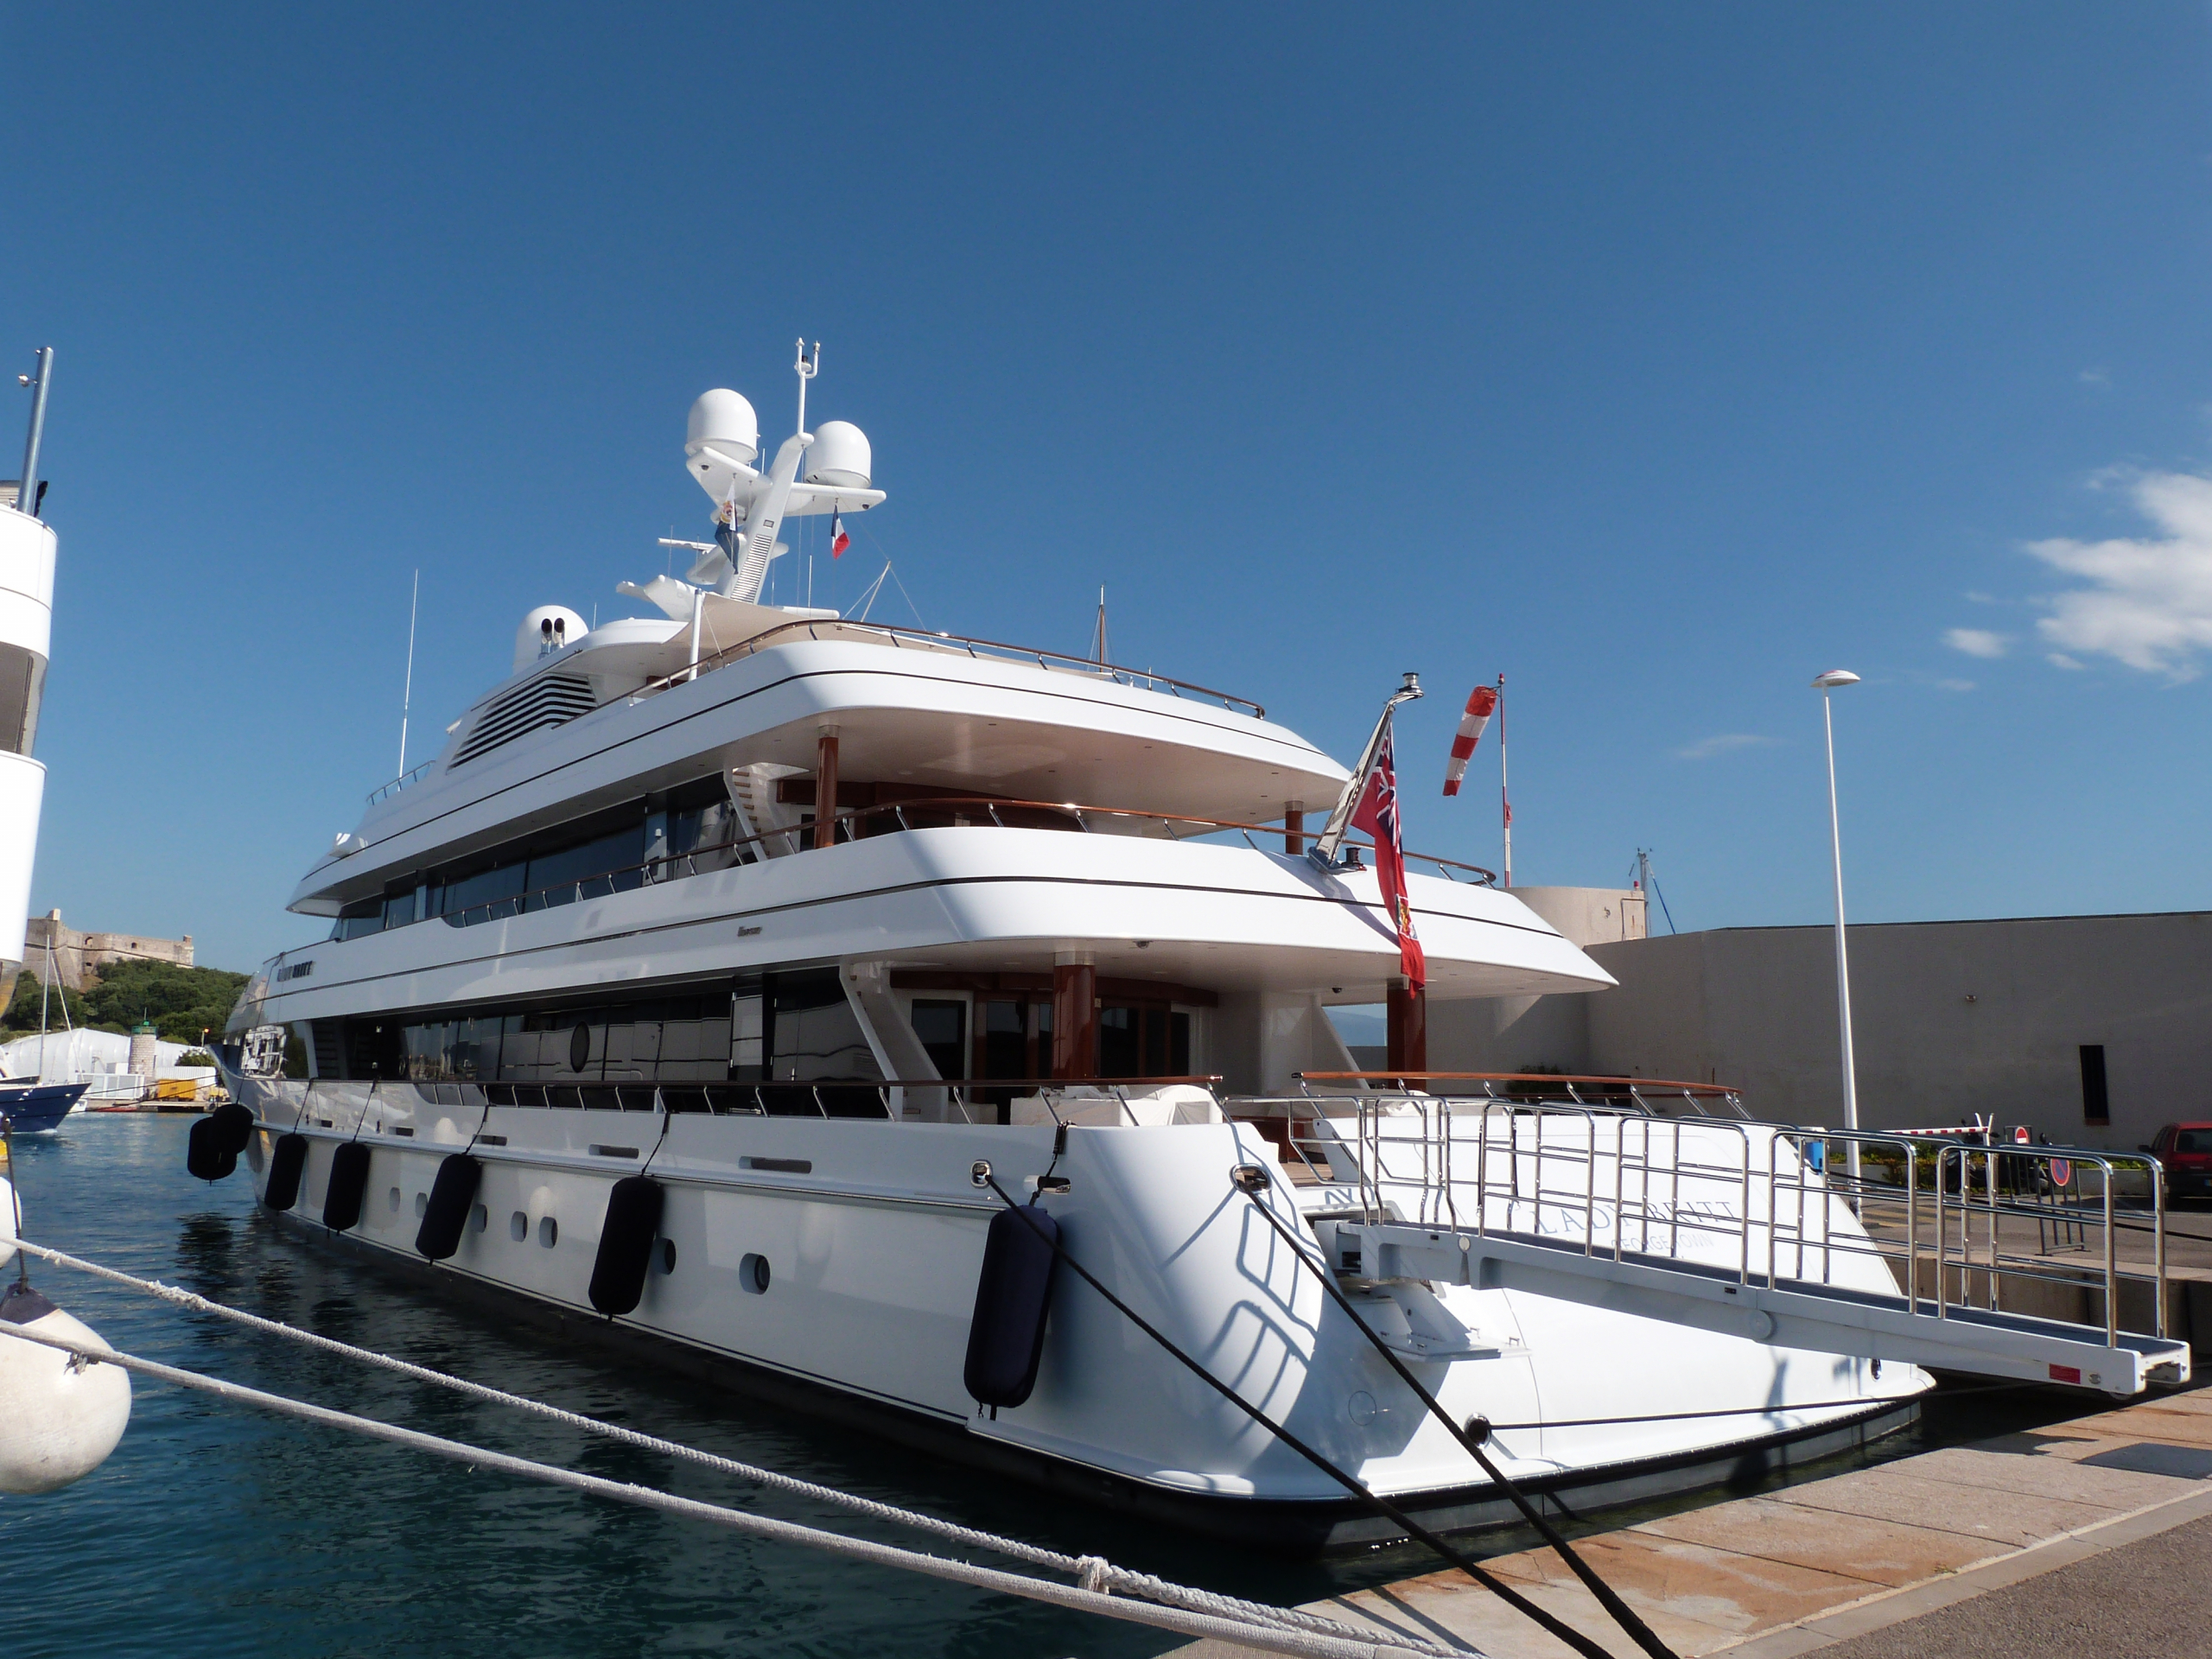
x: 182, y: 1002
x: 21, y: 1014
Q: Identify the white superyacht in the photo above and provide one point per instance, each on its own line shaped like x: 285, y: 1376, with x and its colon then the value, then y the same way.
x: 734, y: 966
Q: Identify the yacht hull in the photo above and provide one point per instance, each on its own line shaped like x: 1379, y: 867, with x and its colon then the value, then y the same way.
x: 830, y: 1266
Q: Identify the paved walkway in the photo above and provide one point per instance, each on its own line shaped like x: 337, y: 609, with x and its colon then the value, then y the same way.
x: 1820, y: 1565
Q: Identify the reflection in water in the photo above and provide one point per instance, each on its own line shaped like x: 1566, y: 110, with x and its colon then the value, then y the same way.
x: 215, y: 1530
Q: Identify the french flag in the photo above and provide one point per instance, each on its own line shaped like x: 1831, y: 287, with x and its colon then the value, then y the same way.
x: 840, y: 537
x: 1480, y: 707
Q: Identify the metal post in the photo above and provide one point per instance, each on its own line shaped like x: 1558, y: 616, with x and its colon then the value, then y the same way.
x: 1827, y: 683
x: 407, y: 693
x: 1504, y: 795
x: 27, y: 492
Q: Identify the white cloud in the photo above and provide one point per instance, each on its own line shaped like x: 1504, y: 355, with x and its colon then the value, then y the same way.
x: 2095, y: 378
x: 2060, y: 659
x: 2150, y: 601
x: 1976, y: 642
x: 1705, y: 748
x: 1955, y: 685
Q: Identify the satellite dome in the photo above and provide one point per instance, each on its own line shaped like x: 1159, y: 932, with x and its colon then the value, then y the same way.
x: 546, y: 630
x: 839, y: 456
x: 726, y: 420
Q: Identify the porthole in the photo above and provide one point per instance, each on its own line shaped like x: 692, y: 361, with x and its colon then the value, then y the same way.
x: 549, y: 1232
x: 421, y: 1203
x: 519, y: 1227
x: 392, y: 1200
x: 666, y: 1256
x: 752, y: 1274
x: 479, y: 1219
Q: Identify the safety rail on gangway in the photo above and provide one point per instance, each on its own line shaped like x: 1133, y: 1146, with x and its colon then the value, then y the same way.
x: 1939, y: 1255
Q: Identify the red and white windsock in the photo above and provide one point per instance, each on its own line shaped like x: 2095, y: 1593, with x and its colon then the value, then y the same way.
x: 1480, y: 707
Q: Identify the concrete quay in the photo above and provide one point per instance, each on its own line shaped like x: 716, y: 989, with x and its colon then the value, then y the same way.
x: 1827, y: 1564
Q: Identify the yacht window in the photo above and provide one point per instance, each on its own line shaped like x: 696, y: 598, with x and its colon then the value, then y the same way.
x: 590, y: 870
x: 942, y: 1026
x: 689, y: 830
x: 798, y: 1029
x: 503, y: 882
x: 815, y: 1036
x: 747, y: 1055
x: 399, y: 907
x: 1136, y: 1040
x: 365, y: 917
x: 1119, y: 1043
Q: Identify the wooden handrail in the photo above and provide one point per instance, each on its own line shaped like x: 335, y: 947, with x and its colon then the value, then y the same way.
x: 1632, y: 1083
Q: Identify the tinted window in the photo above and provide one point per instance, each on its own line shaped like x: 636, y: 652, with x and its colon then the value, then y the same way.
x: 619, y: 851
x: 2193, y: 1141
x: 942, y: 1026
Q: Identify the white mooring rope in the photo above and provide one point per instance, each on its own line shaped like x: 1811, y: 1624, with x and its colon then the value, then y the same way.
x: 1273, y: 1639
x: 1094, y: 1575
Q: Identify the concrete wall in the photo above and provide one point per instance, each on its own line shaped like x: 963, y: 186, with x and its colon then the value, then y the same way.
x: 1951, y: 1020
x: 1515, y: 1033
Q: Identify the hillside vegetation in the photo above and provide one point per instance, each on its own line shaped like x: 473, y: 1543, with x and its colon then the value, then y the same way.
x: 182, y: 1002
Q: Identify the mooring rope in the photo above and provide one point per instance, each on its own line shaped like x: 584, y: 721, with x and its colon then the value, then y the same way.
x: 1092, y: 1571
x: 1273, y: 1638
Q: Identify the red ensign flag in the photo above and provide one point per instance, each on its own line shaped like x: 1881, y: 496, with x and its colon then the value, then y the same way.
x: 1377, y: 814
x: 1480, y: 707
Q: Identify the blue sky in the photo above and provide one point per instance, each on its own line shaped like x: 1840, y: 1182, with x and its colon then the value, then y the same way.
x: 1659, y: 358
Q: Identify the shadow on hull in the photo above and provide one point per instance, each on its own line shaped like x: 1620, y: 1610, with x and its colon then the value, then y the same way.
x: 1301, y: 1527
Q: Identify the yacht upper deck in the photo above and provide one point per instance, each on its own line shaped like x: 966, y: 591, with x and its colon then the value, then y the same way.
x: 641, y: 705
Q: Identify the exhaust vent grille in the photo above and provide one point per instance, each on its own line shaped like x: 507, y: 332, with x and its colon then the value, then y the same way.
x: 548, y: 700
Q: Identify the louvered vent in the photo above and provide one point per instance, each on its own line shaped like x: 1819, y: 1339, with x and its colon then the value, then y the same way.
x: 548, y: 700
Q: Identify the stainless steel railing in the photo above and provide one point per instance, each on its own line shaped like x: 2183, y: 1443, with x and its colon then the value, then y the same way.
x: 1947, y: 1227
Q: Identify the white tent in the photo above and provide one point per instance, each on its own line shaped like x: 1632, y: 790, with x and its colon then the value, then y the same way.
x: 101, y: 1058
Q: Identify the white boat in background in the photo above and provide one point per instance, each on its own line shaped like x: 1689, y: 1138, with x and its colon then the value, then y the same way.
x: 817, y: 939
x: 27, y: 556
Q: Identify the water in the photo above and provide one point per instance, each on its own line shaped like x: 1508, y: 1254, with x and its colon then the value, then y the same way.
x: 216, y: 1530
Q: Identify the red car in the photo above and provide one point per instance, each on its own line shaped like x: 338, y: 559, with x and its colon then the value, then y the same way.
x: 2186, y: 1151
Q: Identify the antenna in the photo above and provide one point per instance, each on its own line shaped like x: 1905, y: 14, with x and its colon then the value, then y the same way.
x: 407, y: 695
x: 807, y: 367
x: 1649, y: 883
x: 1098, y: 635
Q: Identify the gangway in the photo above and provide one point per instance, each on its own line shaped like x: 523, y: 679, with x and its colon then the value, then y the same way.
x: 1742, y: 1227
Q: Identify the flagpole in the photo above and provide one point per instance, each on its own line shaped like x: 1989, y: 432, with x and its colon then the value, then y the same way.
x: 407, y: 693
x: 1504, y: 798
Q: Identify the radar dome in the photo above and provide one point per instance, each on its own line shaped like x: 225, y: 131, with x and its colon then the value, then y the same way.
x: 839, y: 456
x: 546, y: 630
x: 724, y: 419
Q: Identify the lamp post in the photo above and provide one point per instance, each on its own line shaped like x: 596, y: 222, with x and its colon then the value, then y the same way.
x: 1825, y: 685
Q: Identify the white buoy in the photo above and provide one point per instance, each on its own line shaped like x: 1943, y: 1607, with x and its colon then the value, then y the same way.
x: 60, y: 1414
x: 7, y: 1220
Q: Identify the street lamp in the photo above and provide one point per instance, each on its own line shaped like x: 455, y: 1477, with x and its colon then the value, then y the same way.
x: 1825, y: 685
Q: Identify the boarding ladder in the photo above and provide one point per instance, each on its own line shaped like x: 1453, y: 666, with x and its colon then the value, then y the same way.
x: 2028, y: 1263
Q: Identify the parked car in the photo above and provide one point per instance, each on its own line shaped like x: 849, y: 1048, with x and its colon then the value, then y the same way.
x: 2186, y: 1151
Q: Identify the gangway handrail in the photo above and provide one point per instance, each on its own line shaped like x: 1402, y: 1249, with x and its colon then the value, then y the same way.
x: 1533, y: 1188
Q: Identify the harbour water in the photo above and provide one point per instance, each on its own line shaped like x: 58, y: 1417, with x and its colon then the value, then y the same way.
x: 214, y: 1530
